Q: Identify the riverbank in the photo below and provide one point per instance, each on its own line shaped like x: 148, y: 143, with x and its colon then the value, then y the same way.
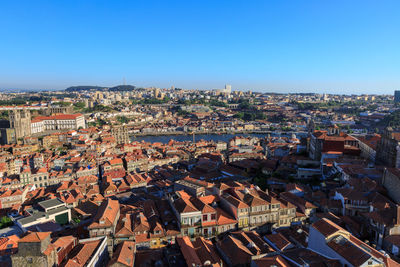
x: 272, y: 133
x: 207, y: 137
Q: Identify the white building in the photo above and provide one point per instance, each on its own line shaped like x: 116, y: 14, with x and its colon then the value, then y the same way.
x: 37, y: 126
x: 58, y: 122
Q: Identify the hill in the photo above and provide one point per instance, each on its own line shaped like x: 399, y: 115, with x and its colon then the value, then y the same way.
x: 83, y: 88
x: 100, y: 88
x: 122, y: 88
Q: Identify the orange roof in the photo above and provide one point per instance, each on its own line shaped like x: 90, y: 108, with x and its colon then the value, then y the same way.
x: 223, y: 218
x: 125, y: 253
x: 34, y: 237
x: 86, y: 250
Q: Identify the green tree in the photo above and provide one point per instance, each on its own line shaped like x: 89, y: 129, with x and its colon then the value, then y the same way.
x: 122, y: 119
x: 5, y: 222
x: 79, y: 105
x: 62, y: 104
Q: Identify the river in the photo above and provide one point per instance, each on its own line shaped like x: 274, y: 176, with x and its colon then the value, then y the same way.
x: 207, y: 137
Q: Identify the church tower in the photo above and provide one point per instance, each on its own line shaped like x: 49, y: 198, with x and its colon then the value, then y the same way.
x: 20, y: 120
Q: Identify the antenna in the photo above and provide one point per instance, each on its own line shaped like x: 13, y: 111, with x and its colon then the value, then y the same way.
x: 124, y: 81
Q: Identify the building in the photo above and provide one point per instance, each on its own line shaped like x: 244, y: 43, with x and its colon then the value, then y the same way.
x: 58, y: 122
x: 200, y: 252
x: 90, y: 252
x: 193, y: 186
x: 9, y: 197
x: 105, y: 221
x: 332, y: 141
x: 37, y: 249
x: 59, y: 109
x: 20, y: 120
x: 47, y: 211
x: 8, y: 136
x: 367, y: 145
x: 387, y: 151
x: 334, y: 242
x: 391, y: 181
x: 38, y: 177
x: 37, y: 126
x: 124, y: 255
x: 397, y: 96
x: 228, y: 89
x: 120, y: 134
x: 240, y: 248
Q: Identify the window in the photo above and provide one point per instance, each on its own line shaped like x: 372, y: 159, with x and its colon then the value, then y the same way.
x: 205, y: 218
x: 213, y: 216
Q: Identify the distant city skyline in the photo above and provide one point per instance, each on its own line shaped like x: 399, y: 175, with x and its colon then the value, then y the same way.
x: 342, y: 47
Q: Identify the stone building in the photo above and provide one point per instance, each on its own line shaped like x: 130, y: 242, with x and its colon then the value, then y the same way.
x: 391, y: 181
x: 387, y: 151
x: 20, y: 120
x: 7, y: 136
x: 59, y: 109
x: 37, y: 249
x: 38, y: 177
x: 120, y: 134
x: 32, y: 251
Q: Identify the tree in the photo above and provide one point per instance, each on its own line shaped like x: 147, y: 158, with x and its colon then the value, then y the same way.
x: 122, y: 119
x: 62, y: 104
x: 5, y: 222
x: 79, y: 105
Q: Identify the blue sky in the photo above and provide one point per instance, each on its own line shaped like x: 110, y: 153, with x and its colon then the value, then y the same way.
x: 271, y: 45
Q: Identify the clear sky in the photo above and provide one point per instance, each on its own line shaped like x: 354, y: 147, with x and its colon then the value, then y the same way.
x: 337, y: 46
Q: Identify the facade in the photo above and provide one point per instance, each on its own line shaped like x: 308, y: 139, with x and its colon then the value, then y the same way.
x: 397, y: 96
x: 58, y: 122
x: 13, y: 197
x: 8, y: 136
x: 388, y: 149
x: 120, y: 134
x: 20, y: 120
x: 367, y: 145
x: 59, y: 109
x: 37, y: 126
x: 38, y: 177
x: 391, y: 181
x: 37, y: 249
